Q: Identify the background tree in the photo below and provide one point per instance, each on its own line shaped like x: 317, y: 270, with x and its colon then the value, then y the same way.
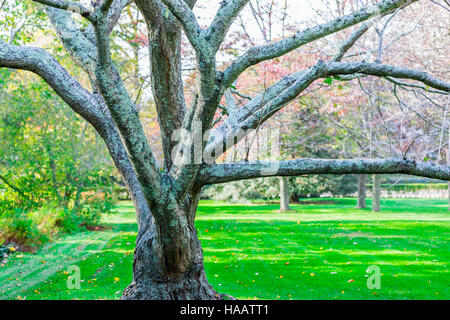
x: 168, y: 260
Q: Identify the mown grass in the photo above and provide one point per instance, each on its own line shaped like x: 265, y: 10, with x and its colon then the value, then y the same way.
x: 318, y: 251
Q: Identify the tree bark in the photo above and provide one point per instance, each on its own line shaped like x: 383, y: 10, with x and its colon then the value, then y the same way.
x: 376, y: 193
x: 362, y: 179
x: 284, y: 194
x: 168, y: 259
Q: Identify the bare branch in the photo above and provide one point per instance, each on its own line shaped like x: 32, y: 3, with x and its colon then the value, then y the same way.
x: 257, y: 54
x: 381, y: 35
x: 43, y: 64
x: 105, y: 6
x: 346, y: 45
x: 218, y: 29
x: 17, y: 29
x: 89, y: 106
x: 413, y: 85
x: 80, y: 48
x: 69, y: 6
x: 382, y: 70
x: 220, y: 173
x: 125, y: 115
x: 181, y: 10
x: 263, y: 106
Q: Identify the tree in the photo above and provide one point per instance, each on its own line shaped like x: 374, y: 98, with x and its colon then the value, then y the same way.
x: 168, y: 259
x: 47, y: 153
x: 376, y: 193
x: 361, y: 202
x: 284, y: 194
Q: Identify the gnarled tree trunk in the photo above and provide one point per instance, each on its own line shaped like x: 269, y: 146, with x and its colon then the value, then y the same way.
x: 168, y: 259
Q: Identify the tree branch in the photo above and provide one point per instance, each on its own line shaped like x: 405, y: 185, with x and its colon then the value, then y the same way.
x: 80, y: 48
x: 263, y: 106
x: 346, y: 45
x: 181, y: 10
x: 69, y: 6
x: 16, y: 189
x: 218, y: 29
x: 257, y: 54
x: 220, y: 173
x: 43, y: 64
x: 89, y: 106
x: 382, y: 70
x: 105, y: 5
x: 125, y: 115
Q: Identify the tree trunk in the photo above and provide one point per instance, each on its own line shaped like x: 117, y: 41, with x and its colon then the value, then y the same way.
x: 376, y: 193
x: 362, y: 179
x: 448, y: 191
x: 168, y: 259
x: 284, y: 194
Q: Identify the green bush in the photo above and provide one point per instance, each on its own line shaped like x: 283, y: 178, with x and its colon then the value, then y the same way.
x: 313, y: 186
x: 67, y: 220
x: 90, y: 215
x: 33, y: 228
x: 23, y: 231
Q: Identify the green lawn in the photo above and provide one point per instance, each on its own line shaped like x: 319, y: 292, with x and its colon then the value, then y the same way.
x: 319, y: 251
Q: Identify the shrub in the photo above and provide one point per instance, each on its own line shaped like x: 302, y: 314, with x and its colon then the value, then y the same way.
x: 23, y: 231
x: 269, y: 188
x: 314, y: 185
x: 29, y: 229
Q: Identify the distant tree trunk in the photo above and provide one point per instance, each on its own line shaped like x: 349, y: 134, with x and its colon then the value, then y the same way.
x: 284, y: 194
x: 448, y: 191
x: 362, y: 179
x: 376, y: 193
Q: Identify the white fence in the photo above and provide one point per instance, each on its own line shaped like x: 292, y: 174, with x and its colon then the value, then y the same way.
x: 420, y: 194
